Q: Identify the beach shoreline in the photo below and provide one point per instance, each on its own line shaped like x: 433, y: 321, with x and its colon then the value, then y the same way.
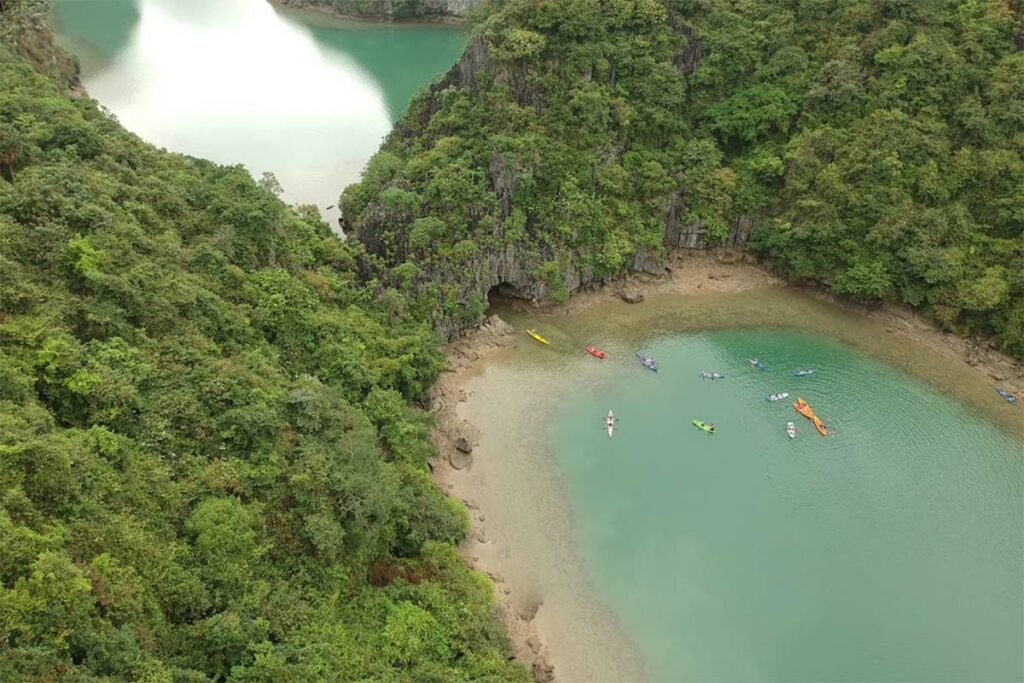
x: 451, y: 402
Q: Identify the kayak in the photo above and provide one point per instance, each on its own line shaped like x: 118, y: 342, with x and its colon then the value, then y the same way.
x: 711, y: 375
x: 596, y: 353
x: 819, y: 425
x: 791, y: 430
x: 533, y: 333
x: 804, y: 409
x: 755, y: 363
x: 1010, y: 398
x: 777, y: 397
x: 647, y: 362
x: 709, y: 428
x: 804, y: 373
x: 611, y: 423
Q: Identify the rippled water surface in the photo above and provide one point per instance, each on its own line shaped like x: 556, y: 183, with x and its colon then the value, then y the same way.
x: 238, y: 81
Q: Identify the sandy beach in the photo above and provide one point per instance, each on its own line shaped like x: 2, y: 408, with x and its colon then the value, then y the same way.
x: 522, y: 524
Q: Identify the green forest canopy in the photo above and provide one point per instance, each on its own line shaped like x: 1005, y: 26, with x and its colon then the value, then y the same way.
x: 209, y: 469
x: 208, y: 466
x: 877, y: 146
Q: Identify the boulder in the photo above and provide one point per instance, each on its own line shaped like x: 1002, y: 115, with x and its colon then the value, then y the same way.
x: 543, y: 670
x: 631, y: 296
x: 463, y: 446
x: 533, y: 642
x: 528, y: 610
x: 460, y: 460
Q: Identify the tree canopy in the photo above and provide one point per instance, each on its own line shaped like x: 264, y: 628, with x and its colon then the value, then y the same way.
x: 876, y: 147
x: 209, y: 466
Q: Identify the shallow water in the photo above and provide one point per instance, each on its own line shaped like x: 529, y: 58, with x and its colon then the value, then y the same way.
x: 305, y: 96
x: 892, y: 550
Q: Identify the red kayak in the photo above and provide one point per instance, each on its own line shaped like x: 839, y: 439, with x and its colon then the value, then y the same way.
x: 596, y: 353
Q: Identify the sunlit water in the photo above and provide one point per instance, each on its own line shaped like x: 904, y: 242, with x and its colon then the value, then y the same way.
x: 892, y: 550
x: 238, y: 81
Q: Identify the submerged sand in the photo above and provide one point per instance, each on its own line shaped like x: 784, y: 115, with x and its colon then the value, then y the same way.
x: 522, y: 523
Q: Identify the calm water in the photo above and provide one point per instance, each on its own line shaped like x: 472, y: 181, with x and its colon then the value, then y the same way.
x: 238, y: 81
x: 890, y: 551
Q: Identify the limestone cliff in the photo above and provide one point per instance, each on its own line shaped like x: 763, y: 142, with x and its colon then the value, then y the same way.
x: 24, y: 26
x: 532, y: 269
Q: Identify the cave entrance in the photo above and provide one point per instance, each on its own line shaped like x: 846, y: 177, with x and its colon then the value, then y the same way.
x: 504, y: 297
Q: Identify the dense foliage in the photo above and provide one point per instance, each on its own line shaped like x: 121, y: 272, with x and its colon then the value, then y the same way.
x: 208, y: 466
x: 877, y: 146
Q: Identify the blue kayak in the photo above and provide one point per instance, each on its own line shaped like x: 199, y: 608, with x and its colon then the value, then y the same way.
x: 1010, y: 398
x: 755, y: 363
x: 647, y: 362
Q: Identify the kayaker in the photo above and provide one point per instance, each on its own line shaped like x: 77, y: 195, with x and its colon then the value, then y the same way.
x: 711, y: 428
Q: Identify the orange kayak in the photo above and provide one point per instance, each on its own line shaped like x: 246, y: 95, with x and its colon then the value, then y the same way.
x: 803, y: 408
x: 820, y: 426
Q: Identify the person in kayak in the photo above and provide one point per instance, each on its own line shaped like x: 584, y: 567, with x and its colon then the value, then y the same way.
x: 711, y: 428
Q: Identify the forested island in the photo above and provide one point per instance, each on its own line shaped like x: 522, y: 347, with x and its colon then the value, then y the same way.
x: 213, y: 465
x: 873, y: 147
x: 209, y: 466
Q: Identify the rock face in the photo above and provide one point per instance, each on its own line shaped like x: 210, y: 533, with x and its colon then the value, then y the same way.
x: 390, y: 10
x: 512, y: 271
x: 27, y: 31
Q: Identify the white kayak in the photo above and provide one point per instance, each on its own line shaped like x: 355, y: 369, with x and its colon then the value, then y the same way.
x: 791, y: 430
x: 611, y: 423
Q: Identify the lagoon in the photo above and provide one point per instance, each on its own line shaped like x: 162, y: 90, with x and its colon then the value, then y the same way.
x: 892, y: 550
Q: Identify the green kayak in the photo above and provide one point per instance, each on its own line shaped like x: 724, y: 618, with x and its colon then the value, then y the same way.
x: 709, y: 428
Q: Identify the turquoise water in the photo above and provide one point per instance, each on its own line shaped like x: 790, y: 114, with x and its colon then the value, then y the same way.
x: 302, y: 95
x: 892, y: 550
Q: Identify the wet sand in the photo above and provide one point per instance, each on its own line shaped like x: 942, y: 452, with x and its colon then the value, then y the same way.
x: 522, y: 536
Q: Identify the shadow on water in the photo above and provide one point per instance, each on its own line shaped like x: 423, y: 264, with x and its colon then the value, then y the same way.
x: 385, y: 51
x: 101, y: 28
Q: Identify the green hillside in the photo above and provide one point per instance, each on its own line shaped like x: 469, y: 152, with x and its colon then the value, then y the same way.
x: 208, y: 466
x: 874, y: 146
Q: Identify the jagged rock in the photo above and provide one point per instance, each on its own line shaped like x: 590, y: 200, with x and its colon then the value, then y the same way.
x: 460, y: 460
x: 529, y: 609
x: 463, y: 446
x: 543, y: 670
x: 631, y: 296
x: 533, y: 642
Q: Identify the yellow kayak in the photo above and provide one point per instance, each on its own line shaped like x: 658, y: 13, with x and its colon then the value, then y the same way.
x: 533, y: 333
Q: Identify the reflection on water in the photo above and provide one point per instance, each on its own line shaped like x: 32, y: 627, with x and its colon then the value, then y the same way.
x: 237, y: 82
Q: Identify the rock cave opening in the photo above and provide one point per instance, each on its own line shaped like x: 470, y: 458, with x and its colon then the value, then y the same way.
x: 504, y: 297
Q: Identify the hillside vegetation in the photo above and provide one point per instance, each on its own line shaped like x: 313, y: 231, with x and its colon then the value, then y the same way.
x: 875, y: 146
x: 208, y: 466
